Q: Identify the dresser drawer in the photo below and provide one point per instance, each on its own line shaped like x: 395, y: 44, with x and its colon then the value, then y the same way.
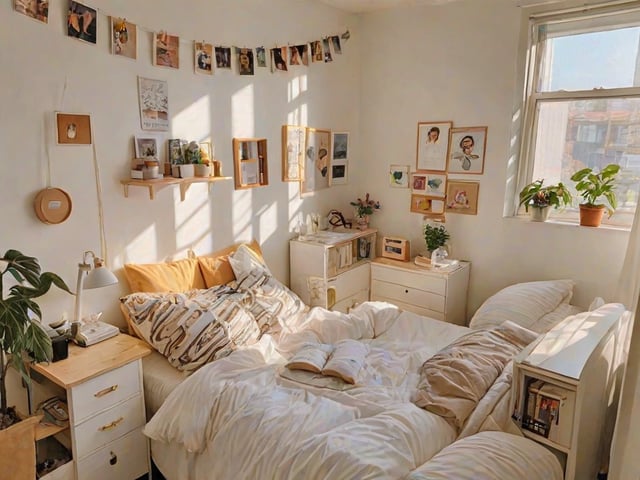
x: 408, y: 295
x: 410, y: 308
x: 109, y: 425
x: 348, y: 303
x: 420, y: 281
x: 125, y: 458
x: 350, y: 282
x: 104, y: 391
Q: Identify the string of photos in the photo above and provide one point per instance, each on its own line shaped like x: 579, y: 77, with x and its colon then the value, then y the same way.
x: 82, y: 24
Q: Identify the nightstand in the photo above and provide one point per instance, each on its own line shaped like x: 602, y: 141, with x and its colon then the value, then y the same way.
x: 103, y: 385
x: 439, y: 294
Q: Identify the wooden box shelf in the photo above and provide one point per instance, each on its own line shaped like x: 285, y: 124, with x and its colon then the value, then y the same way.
x: 159, y: 183
x: 250, y: 162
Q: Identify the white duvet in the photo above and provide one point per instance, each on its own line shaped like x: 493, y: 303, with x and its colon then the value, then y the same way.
x: 244, y: 416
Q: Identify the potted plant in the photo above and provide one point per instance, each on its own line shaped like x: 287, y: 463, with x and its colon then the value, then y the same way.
x: 540, y: 198
x: 593, y: 187
x: 22, y: 336
x: 364, y: 208
x: 435, y: 236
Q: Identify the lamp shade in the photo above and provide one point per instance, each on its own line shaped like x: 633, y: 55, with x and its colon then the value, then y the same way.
x: 99, y: 277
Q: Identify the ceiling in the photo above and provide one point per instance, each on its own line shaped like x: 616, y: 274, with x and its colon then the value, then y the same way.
x: 359, y: 6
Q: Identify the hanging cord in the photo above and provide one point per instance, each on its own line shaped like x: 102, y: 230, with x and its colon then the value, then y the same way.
x: 96, y: 167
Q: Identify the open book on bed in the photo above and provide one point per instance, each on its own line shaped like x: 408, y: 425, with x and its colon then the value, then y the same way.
x: 342, y: 360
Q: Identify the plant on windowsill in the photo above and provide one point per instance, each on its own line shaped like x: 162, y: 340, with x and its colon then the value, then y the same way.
x: 593, y: 187
x: 23, y: 338
x: 541, y: 199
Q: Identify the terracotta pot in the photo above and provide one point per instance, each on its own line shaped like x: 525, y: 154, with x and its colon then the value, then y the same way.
x: 591, y: 216
x: 539, y: 214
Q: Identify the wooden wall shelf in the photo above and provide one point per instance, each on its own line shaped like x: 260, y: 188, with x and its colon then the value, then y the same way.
x: 159, y: 183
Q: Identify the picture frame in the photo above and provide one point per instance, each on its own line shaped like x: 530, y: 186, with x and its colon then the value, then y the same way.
x: 467, y: 152
x: 399, y: 176
x: 203, y: 58
x: 432, y: 148
x: 146, y: 147
x: 175, y: 152
x: 293, y: 152
x: 436, y: 184
x: 223, y: 57
x: 82, y: 22
x: 426, y: 205
x: 153, y: 100
x: 245, y: 61
x: 249, y: 172
x: 124, y: 38
x: 339, y: 173
x: 419, y: 183
x: 317, y: 160
x: 340, y: 146
x: 38, y: 9
x: 462, y: 197
x: 73, y: 128
x: 166, y: 50
x: 207, y: 147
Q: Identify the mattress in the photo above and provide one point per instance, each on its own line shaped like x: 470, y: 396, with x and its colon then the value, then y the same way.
x: 160, y: 379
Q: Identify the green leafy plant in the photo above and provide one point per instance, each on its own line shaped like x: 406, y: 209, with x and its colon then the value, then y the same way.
x: 594, y: 186
x: 21, y: 335
x: 435, y: 236
x: 535, y: 195
x: 366, y: 206
x: 192, y: 153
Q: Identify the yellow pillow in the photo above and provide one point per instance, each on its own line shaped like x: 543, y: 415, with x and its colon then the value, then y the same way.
x: 216, y: 269
x: 178, y: 276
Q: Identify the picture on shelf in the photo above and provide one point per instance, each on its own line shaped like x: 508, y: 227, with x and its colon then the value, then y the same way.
x: 146, y: 147
x: 124, y: 38
x: 153, y: 99
x: 37, y: 9
x: 249, y: 173
x: 82, y: 22
x: 203, y: 58
x: 175, y: 152
x: 73, y: 129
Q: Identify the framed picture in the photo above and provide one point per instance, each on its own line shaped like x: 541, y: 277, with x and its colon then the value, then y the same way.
x: 419, y: 183
x: 166, y: 50
x: 339, y: 173
x: 436, y: 184
x: 203, y: 58
x: 426, y: 205
x: 146, y: 147
x: 249, y: 172
x: 153, y: 99
x: 124, y: 38
x: 37, y: 9
x: 433, y: 146
x: 317, y: 161
x: 462, y: 197
x: 245, y: 61
x: 293, y: 148
x: 223, y: 57
x: 399, y: 176
x: 261, y: 57
x: 175, y: 153
x: 468, y: 145
x: 82, y: 22
x: 73, y: 129
x: 207, y: 149
x: 340, y: 142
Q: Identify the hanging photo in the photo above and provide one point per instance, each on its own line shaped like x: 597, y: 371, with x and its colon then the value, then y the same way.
x: 37, y: 9
x: 153, y: 98
x: 327, y: 51
x: 73, y: 129
x: 316, y: 51
x: 293, y: 151
x: 203, y: 58
x: 261, y: 57
x: 433, y: 146
x: 317, y: 162
x: 166, y: 50
x: 223, y: 57
x: 468, y: 146
x: 340, y: 142
x: 335, y: 41
x: 462, y: 197
x: 81, y: 22
x: 245, y: 61
x: 279, y: 59
x: 399, y: 176
x: 339, y: 173
x: 124, y: 38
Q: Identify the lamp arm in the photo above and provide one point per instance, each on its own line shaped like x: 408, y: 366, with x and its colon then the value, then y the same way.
x: 83, y: 268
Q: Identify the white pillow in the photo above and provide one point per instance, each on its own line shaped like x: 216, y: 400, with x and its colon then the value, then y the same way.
x: 525, y: 304
x: 244, y: 260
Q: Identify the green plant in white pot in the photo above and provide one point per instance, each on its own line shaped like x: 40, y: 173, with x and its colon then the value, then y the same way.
x: 21, y: 334
x: 593, y: 188
x: 435, y: 236
x: 541, y: 199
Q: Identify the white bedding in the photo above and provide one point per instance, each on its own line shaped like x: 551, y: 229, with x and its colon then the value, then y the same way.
x: 239, y: 418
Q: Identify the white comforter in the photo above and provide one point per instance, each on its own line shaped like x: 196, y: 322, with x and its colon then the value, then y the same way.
x: 242, y: 419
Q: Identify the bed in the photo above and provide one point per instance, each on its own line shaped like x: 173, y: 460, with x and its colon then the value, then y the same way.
x: 222, y: 402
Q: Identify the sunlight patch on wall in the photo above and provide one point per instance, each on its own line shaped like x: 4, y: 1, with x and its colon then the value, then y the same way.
x: 193, y: 122
x: 192, y: 219
x: 143, y: 248
x: 268, y: 220
x: 299, y: 113
x: 243, y: 121
x: 242, y: 215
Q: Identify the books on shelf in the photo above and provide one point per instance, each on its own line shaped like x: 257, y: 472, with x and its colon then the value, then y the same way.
x: 543, y: 405
x: 343, y: 360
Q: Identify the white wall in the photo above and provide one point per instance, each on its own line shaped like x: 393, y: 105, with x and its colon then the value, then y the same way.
x: 44, y: 71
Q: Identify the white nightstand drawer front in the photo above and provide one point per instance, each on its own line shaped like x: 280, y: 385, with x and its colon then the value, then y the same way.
x: 429, y: 283
x: 125, y: 458
x: 408, y: 295
x: 109, y: 425
x: 350, y: 302
x: 410, y: 308
x: 351, y: 282
x: 104, y: 391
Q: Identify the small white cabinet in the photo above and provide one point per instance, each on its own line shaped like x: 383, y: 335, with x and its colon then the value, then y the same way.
x: 436, y: 294
x: 331, y: 269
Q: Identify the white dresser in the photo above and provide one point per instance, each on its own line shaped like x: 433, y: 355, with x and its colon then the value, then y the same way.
x: 331, y: 269
x: 433, y: 293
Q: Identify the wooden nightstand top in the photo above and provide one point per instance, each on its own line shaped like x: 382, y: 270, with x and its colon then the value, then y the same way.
x: 84, y: 363
x: 412, y: 267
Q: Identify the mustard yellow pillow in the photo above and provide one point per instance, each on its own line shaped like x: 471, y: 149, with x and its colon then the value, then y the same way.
x: 178, y: 276
x: 216, y: 269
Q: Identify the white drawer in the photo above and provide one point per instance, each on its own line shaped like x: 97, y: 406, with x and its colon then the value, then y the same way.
x: 408, y: 295
x: 421, y: 281
x: 350, y: 282
x: 348, y: 303
x: 104, y: 391
x: 410, y: 308
x: 109, y: 425
x: 125, y: 458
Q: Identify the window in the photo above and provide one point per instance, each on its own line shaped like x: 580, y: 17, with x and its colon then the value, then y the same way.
x: 583, y: 101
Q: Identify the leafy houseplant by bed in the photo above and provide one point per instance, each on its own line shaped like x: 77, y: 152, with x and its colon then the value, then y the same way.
x: 20, y: 335
x: 593, y: 187
x: 435, y: 236
x: 540, y: 199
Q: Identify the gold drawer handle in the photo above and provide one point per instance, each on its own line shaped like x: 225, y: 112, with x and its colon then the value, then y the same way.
x: 111, y: 425
x: 102, y: 393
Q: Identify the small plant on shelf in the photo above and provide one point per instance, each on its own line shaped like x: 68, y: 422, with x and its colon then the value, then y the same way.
x: 365, y: 207
x: 435, y: 236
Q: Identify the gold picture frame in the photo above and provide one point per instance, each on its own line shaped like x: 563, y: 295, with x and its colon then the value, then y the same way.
x: 293, y: 151
x: 462, y: 197
x: 73, y: 129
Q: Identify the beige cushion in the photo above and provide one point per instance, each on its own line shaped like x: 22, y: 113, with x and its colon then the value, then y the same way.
x: 178, y: 276
x: 216, y: 269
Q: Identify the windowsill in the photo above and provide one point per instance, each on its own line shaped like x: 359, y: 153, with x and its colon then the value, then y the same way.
x: 568, y: 223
